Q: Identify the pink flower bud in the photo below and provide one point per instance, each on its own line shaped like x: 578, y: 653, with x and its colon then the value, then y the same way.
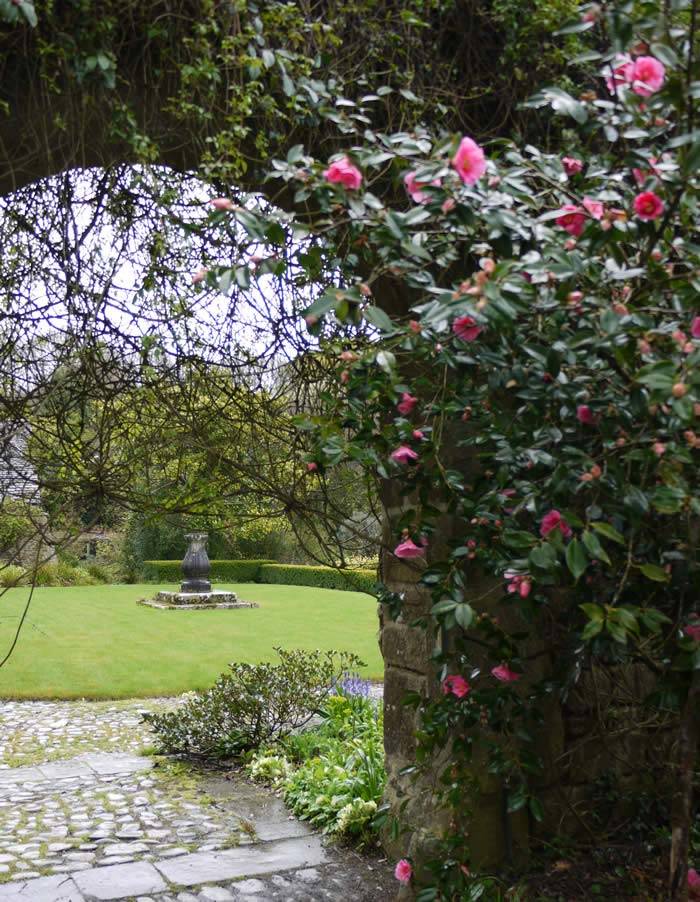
x: 404, y: 455
x: 222, y: 203
x: 584, y: 415
x: 572, y: 165
x: 505, y: 674
x: 406, y: 404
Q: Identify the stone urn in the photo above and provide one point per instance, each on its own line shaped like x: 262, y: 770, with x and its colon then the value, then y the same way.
x: 195, y: 565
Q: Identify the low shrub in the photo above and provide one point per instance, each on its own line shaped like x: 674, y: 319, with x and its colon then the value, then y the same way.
x: 61, y: 573
x: 11, y: 575
x: 221, y: 571
x: 321, y: 577
x: 251, y: 704
x: 333, y: 775
x: 103, y: 573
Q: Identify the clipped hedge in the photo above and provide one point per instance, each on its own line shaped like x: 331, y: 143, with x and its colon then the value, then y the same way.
x: 261, y: 571
x: 221, y: 571
x: 322, y: 577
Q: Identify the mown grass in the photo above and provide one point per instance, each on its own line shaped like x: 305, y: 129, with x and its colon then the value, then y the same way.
x: 96, y: 642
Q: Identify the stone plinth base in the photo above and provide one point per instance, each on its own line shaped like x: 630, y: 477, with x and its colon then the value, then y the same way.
x: 200, y: 601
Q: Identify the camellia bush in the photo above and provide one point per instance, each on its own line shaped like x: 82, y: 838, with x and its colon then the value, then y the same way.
x: 553, y: 338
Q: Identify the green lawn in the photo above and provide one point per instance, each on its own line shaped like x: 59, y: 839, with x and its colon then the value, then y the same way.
x: 96, y: 642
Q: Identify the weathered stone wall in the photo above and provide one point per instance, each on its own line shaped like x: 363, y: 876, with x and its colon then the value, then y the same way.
x: 600, y: 733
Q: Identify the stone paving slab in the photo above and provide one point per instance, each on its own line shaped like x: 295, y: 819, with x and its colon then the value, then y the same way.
x: 43, y: 889
x: 21, y: 775
x: 262, y: 858
x: 119, y: 881
x: 80, y: 766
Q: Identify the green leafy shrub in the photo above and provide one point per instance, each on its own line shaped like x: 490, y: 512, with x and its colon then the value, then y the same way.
x: 251, y: 705
x: 272, y: 769
x: 11, y: 575
x: 61, y: 573
x: 103, y: 573
x: 321, y: 577
x: 221, y: 571
x: 332, y: 775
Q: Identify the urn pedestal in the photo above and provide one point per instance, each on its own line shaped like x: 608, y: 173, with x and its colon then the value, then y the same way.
x: 195, y: 565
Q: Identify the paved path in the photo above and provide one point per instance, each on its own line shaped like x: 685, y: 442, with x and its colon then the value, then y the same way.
x: 84, y: 817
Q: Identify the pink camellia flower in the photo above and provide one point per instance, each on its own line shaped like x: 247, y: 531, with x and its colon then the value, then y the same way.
x: 199, y: 276
x: 448, y: 205
x: 312, y: 467
x: 408, y: 549
x: 695, y: 327
x: 466, y: 328
x: 554, y: 520
x: 679, y: 336
x: 694, y: 883
x: 413, y: 186
x: 693, y: 630
x: 404, y: 455
x: 648, y: 205
x: 406, y: 404
x: 403, y: 871
x: 455, y: 685
x: 415, y: 326
x: 505, y: 674
x: 584, y: 415
x: 469, y: 161
x: 622, y: 73
x: 518, y: 582
x: 343, y: 172
x: 572, y: 220
x: 222, y: 203
x: 594, y: 207
x: 648, y: 75
x: 571, y: 165
x: 659, y: 449
x: 418, y: 435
